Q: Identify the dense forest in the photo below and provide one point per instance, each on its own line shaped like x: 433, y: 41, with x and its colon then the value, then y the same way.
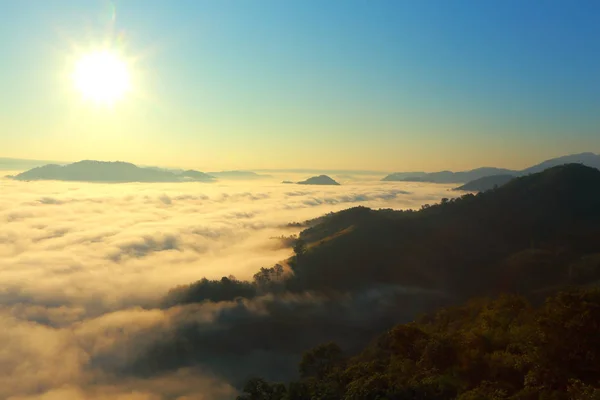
x: 486, y: 349
x: 532, y: 234
x: 360, y: 272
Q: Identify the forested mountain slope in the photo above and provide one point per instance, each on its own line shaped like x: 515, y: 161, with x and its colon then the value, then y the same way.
x: 522, y: 236
x: 485, y: 349
x: 359, y: 272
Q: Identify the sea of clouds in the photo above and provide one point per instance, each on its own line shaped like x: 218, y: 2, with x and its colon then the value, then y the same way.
x: 83, y: 267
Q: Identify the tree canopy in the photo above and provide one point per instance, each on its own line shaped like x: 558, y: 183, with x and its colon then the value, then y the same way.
x: 501, y: 348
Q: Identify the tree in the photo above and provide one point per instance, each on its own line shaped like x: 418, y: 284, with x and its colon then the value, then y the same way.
x: 321, y: 361
x: 259, y: 389
x: 300, y: 247
x: 278, y: 271
x: 486, y: 349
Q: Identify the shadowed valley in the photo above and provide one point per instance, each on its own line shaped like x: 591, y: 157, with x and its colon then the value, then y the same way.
x: 358, y: 272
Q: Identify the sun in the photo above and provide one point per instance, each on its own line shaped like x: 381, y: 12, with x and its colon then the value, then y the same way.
x: 102, y: 77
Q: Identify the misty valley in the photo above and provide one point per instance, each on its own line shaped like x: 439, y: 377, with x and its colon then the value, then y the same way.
x: 299, y: 200
x: 253, y: 289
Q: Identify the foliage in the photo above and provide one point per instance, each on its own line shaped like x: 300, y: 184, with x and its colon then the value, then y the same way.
x: 269, y: 279
x: 485, y: 349
x: 299, y: 247
x: 224, y: 289
x: 534, y: 233
x: 534, y: 236
x: 227, y: 288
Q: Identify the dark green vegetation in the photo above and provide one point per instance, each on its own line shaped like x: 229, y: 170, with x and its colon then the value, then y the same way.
x: 100, y: 171
x: 319, y: 180
x: 525, y: 236
x: 486, y: 349
x: 359, y: 272
x: 588, y: 159
x: 485, y: 183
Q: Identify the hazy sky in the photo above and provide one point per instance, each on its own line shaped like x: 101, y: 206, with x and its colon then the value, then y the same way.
x: 389, y: 85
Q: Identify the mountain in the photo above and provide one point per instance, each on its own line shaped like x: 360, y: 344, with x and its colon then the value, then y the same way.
x: 360, y: 272
x: 589, y: 159
x: 461, y: 245
x: 102, y: 171
x: 531, y: 233
x: 239, y: 175
x: 319, y: 180
x: 152, y: 167
x: 485, y: 183
x: 196, y: 176
x: 449, y: 176
x: 400, y: 176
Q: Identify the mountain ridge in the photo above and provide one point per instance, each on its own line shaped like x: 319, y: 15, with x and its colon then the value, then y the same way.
x: 109, y: 171
x: 535, y: 235
x: 485, y: 183
x: 539, y: 205
x: 586, y: 158
x: 319, y: 180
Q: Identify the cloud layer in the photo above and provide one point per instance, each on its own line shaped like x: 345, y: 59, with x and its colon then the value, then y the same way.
x: 82, y: 267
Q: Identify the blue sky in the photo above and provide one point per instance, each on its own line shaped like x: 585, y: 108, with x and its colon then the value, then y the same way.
x: 388, y: 85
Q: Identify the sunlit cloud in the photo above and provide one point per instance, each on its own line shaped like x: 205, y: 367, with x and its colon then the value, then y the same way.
x: 83, y: 267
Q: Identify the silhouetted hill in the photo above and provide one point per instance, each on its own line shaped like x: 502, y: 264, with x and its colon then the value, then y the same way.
x: 319, y: 180
x: 361, y: 271
x: 196, y: 176
x: 449, y: 176
x: 532, y: 233
x: 460, y: 244
x: 239, y: 175
x: 400, y: 176
x: 588, y: 159
x: 485, y: 183
x: 101, y: 171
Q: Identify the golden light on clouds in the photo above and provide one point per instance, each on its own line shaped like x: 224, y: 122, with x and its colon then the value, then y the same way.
x: 102, y: 77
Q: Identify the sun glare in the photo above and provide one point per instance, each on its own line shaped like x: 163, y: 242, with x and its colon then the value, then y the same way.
x: 102, y: 77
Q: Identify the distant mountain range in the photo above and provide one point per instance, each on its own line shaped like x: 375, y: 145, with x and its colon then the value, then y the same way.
x: 448, y: 176
x: 238, y: 175
x: 193, y: 175
x: 119, y: 171
x: 102, y: 171
x: 533, y: 236
x: 394, y: 247
x: 485, y: 183
x: 588, y: 159
x: 97, y: 171
x: 319, y: 180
